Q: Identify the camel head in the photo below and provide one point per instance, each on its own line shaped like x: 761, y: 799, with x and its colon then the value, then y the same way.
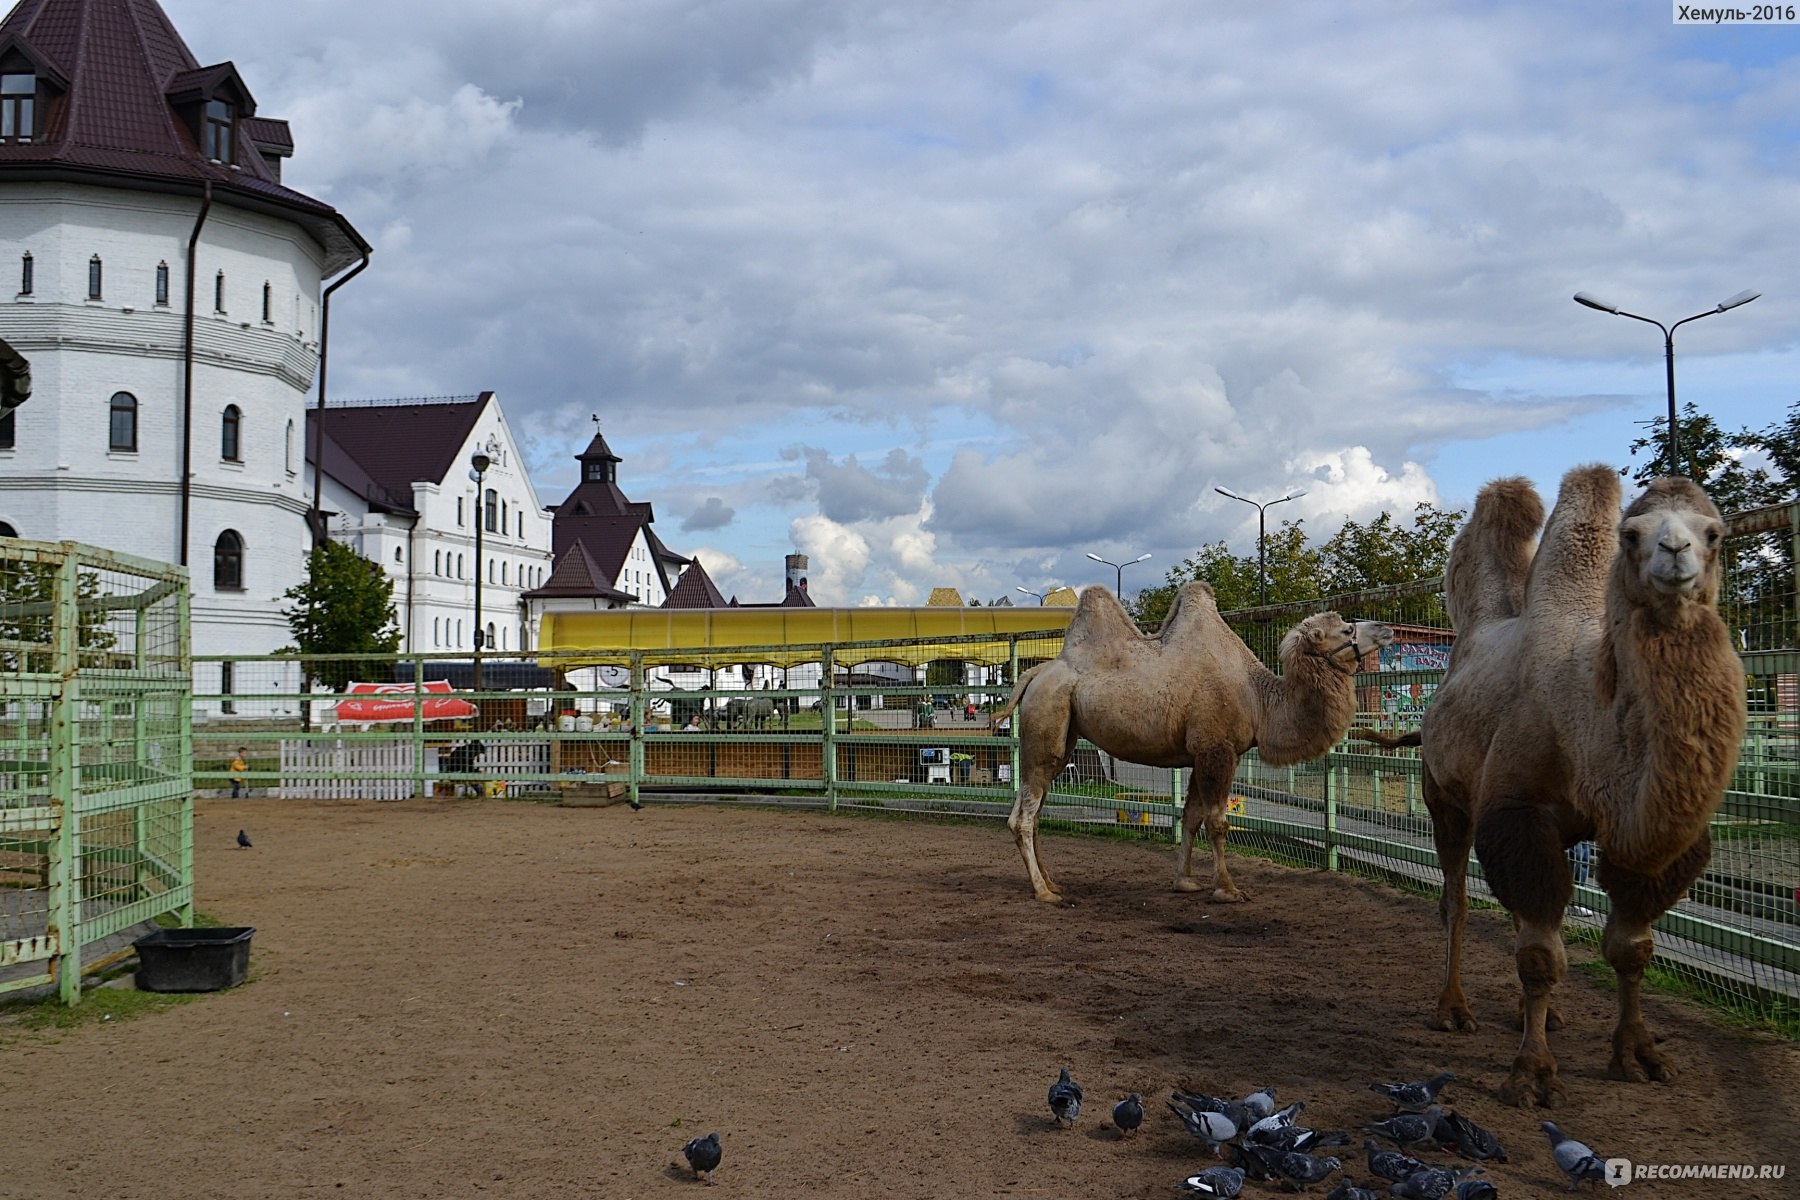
x: 1329, y: 636
x: 1669, y: 543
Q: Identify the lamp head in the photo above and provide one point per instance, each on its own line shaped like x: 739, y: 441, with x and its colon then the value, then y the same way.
x: 1141, y: 557
x: 1095, y: 557
x: 1743, y: 297
x: 481, y: 462
x: 1595, y: 302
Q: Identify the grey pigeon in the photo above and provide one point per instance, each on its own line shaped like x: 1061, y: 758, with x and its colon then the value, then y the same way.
x: 703, y: 1155
x: 1258, y: 1162
x: 1241, y: 1113
x: 1413, y: 1097
x: 1301, y: 1171
x: 1433, y: 1183
x: 1275, y: 1120
x: 1065, y: 1099
x: 1407, y: 1130
x: 1299, y: 1137
x: 1215, y: 1181
x: 243, y: 840
x: 1476, y: 1189
x: 1345, y: 1190
x: 1128, y: 1114
x: 1210, y: 1127
x: 1261, y: 1102
x: 1391, y: 1165
x: 1469, y: 1139
x: 1574, y: 1159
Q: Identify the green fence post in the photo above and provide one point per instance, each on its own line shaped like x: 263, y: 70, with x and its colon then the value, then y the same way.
x: 828, y: 728
x: 1175, y: 804
x: 184, y: 642
x: 65, y: 753
x: 1331, y: 817
x: 638, y: 710
x: 418, y: 727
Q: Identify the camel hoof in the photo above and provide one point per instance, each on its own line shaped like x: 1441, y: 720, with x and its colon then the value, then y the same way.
x: 1524, y: 1086
x: 1233, y: 896
x: 1643, y: 1066
x: 1456, y: 1019
x: 1049, y: 898
x: 1189, y: 885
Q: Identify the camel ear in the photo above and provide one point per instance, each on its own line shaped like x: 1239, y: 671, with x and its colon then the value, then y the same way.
x: 1606, y: 669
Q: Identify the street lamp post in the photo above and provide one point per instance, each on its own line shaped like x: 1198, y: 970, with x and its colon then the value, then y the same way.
x: 479, y: 464
x: 1262, y: 570
x: 1118, y: 571
x: 1668, y: 332
x: 1029, y: 592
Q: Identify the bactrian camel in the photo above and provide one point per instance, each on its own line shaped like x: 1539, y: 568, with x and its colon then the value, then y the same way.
x: 1592, y: 694
x: 1191, y: 695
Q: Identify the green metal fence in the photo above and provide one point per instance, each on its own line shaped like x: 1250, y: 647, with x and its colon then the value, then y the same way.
x: 96, y: 798
x: 854, y: 731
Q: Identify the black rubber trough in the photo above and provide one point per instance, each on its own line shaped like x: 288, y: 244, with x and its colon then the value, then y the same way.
x: 193, y: 960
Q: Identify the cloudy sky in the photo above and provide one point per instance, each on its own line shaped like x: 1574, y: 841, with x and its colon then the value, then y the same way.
x: 952, y: 292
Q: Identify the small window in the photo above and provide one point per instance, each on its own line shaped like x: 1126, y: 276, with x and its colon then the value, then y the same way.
x: 25, y: 274
x: 219, y: 292
x: 489, y: 642
x: 437, y: 562
x: 122, y: 425
x: 459, y: 511
x: 490, y: 510
x: 7, y: 530
x: 287, y: 448
x: 96, y: 277
x: 398, y: 557
x: 459, y: 575
x: 268, y: 304
x: 231, y: 434
x: 228, y: 562
x: 215, y: 136
x: 437, y: 631
x: 18, y: 107
x: 8, y: 429
x: 162, y: 283
x: 227, y: 685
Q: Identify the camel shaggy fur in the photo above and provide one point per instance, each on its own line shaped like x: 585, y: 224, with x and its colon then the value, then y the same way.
x: 1191, y: 695
x: 1592, y: 694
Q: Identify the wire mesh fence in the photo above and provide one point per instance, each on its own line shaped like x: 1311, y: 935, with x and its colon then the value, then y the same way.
x: 96, y: 801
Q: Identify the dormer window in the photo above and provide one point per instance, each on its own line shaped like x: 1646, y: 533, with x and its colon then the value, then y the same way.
x: 215, y: 131
x: 18, y: 107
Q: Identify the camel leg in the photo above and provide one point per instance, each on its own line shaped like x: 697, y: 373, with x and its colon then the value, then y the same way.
x: 1521, y: 851
x: 1023, y: 823
x: 1454, y: 834
x: 1209, y: 790
x: 1637, y: 900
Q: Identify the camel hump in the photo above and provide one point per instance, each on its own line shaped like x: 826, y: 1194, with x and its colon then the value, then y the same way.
x: 1484, y: 578
x: 1580, y: 541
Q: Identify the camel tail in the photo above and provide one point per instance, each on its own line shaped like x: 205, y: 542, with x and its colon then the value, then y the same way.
x: 1484, y: 579
x: 1390, y: 741
x: 1018, y: 694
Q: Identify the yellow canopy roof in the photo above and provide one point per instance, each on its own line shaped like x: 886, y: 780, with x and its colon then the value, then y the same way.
x: 786, y: 636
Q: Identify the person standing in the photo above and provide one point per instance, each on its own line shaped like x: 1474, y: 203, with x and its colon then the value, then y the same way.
x: 240, y: 766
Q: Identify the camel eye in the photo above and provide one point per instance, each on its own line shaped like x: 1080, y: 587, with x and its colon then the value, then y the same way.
x: 1712, y: 537
x: 1631, y: 538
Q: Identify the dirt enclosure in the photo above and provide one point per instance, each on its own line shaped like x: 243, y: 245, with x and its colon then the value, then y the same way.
x: 451, y: 998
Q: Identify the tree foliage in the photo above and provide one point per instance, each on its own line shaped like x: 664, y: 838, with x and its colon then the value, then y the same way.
x: 344, y: 606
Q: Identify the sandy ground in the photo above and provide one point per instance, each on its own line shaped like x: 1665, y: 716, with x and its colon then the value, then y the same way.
x: 451, y: 998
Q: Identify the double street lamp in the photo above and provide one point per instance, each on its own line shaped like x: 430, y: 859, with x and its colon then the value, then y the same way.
x: 1668, y: 331
x: 1118, y: 570
x: 1262, y: 569
x: 478, y: 468
x: 1029, y: 592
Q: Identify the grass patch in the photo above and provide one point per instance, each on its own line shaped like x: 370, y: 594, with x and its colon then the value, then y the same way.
x: 1768, y: 1012
x: 98, y: 1005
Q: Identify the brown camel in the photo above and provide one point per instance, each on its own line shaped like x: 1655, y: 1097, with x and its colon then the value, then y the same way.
x: 1593, y: 694
x: 1191, y: 695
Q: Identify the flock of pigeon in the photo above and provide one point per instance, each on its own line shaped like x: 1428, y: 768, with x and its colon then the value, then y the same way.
x: 1263, y: 1142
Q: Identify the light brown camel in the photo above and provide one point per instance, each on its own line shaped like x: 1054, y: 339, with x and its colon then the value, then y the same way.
x: 1593, y: 694
x: 1191, y: 695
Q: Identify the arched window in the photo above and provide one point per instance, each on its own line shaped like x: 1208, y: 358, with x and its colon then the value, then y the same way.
x: 503, y: 516
x: 162, y: 283
x: 122, y: 422
x: 287, y: 449
x: 489, y: 640
x: 231, y: 430
x: 436, y: 630
x: 228, y: 562
x: 491, y: 578
x: 96, y: 276
x: 437, y: 562
x: 7, y: 530
x: 459, y: 575
x: 490, y: 510
x: 521, y: 522
x: 398, y: 557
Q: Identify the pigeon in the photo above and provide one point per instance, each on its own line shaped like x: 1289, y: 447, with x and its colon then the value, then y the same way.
x: 1303, y: 1170
x: 1258, y: 1162
x: 1413, y: 1097
x: 1210, y: 1127
x: 1299, y: 1137
x: 1345, y: 1190
x: 1574, y: 1159
x: 1468, y: 1139
x: 1065, y: 1099
x: 1407, y: 1130
x: 1433, y: 1183
x: 1240, y: 1111
x: 1128, y: 1114
x: 1476, y: 1189
x: 1215, y: 1181
x: 1391, y: 1165
x: 1261, y: 1102
x: 243, y: 840
x: 1275, y: 1120
x: 703, y: 1155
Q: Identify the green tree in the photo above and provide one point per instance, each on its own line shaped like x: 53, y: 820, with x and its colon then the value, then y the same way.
x: 345, y: 606
x: 1385, y: 552
x: 1716, y: 459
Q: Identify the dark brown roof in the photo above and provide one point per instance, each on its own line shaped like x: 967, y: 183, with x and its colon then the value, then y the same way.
x: 695, y: 589
x: 121, y: 95
x: 796, y: 598
x: 398, y: 445
x: 578, y: 575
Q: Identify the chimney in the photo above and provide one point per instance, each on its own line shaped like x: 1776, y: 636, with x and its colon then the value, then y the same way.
x: 796, y: 571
